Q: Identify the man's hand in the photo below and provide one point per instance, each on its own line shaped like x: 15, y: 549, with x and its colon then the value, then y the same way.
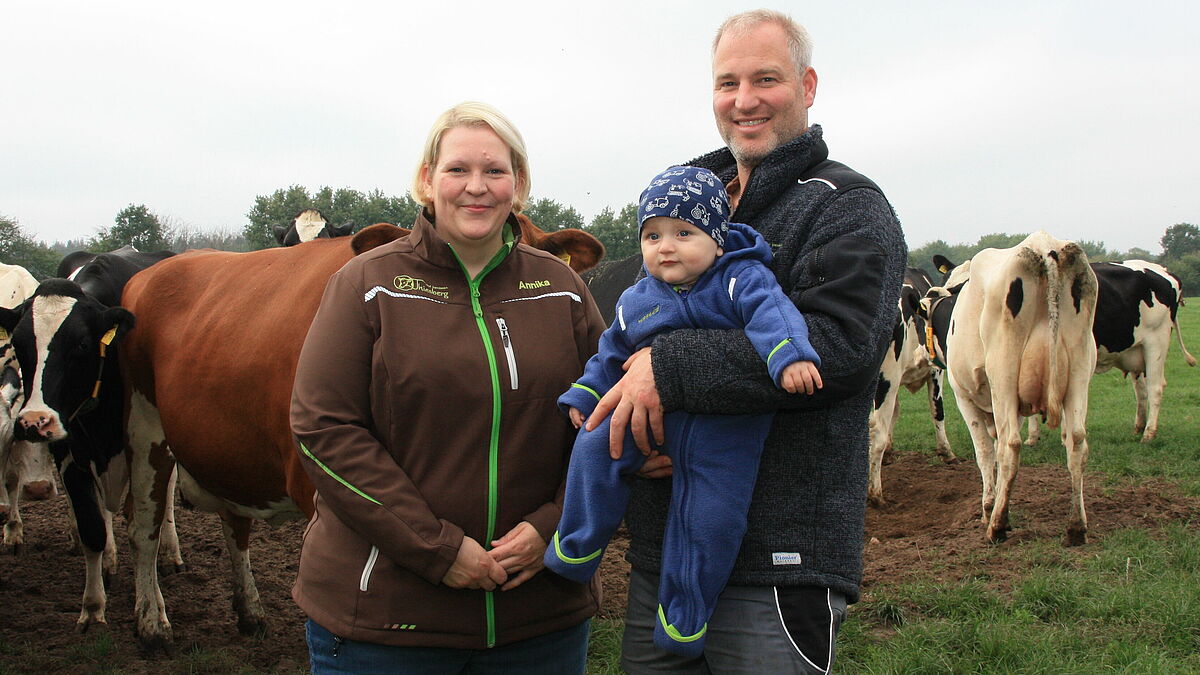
x: 474, y: 568
x: 634, y: 404
x: 801, y: 376
x: 519, y: 551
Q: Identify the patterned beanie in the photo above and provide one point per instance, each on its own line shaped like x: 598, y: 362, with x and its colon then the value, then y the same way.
x: 690, y: 194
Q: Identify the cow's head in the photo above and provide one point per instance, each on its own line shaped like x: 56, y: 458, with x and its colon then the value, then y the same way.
x: 577, y: 248
x: 62, y: 338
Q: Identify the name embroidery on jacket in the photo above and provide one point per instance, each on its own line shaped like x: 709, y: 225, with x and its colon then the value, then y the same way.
x: 407, y: 283
x: 650, y: 313
x: 530, y: 285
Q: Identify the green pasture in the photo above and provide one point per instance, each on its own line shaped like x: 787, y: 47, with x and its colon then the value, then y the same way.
x: 1132, y: 605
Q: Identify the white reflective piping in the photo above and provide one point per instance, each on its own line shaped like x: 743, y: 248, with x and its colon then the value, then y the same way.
x: 779, y: 611
x: 508, y: 351
x: 556, y: 294
x: 380, y: 289
x: 732, y: 281
x: 621, y: 315
x: 819, y: 180
x: 366, y: 574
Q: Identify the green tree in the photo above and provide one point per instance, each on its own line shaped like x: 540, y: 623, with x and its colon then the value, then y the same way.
x: 550, y: 215
x: 618, y: 232
x: 1179, y: 240
x: 18, y: 248
x: 1136, y: 253
x: 340, y: 206
x: 136, y: 226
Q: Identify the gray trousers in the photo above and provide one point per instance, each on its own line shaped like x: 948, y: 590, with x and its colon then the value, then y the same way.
x: 754, y: 630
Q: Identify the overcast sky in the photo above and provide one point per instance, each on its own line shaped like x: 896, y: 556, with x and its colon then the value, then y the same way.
x: 1082, y: 118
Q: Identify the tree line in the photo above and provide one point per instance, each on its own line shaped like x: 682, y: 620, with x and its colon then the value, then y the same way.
x: 140, y: 227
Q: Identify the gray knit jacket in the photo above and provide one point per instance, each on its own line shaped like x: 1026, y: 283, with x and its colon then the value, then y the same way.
x: 840, y: 256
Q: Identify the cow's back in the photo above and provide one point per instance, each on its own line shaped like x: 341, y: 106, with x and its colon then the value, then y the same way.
x: 215, y: 349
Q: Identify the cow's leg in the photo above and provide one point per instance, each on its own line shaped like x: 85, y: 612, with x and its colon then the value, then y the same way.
x: 882, y: 426
x: 252, y: 620
x: 109, y: 557
x: 1035, y: 431
x: 979, y: 426
x: 94, y: 538
x: 1155, y: 381
x: 937, y: 411
x: 14, y: 529
x: 1008, y: 461
x: 151, y: 466
x: 1074, y: 439
x: 172, y: 559
x: 1139, y: 392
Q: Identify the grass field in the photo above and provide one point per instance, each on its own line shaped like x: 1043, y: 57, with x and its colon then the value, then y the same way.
x: 1131, y: 605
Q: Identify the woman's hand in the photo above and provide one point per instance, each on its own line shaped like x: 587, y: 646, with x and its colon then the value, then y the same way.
x: 474, y: 568
x: 519, y: 551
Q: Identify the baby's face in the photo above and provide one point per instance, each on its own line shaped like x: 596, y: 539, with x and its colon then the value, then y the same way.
x: 676, y: 251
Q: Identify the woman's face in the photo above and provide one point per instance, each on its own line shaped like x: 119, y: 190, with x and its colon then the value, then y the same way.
x: 471, y: 187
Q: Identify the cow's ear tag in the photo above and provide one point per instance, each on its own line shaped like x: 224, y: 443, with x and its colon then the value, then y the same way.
x: 3, y: 334
x: 565, y: 257
x: 942, y: 269
x: 107, y: 339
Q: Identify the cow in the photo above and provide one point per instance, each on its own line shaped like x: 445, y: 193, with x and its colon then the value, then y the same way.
x: 609, y: 279
x: 210, y: 370
x: 307, y: 225
x: 1136, y: 306
x: 907, y: 364
x: 16, y: 284
x: 64, y: 337
x: 1018, y: 342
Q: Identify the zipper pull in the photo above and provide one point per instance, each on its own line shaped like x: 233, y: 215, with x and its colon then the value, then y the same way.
x: 337, y: 645
x: 504, y: 333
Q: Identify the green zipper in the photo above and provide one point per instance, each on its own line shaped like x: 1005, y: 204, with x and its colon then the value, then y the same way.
x: 494, y: 441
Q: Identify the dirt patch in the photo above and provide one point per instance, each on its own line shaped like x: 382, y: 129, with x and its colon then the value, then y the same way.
x: 929, y: 530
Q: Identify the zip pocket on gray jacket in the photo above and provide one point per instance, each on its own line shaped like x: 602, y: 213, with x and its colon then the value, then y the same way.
x: 509, y: 354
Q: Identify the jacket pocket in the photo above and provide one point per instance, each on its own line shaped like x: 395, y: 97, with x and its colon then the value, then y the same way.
x: 509, y: 354
x: 365, y: 579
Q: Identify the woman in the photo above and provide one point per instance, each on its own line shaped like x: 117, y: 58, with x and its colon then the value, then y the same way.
x: 424, y: 405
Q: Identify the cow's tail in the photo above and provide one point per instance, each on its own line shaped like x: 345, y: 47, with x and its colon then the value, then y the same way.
x: 1191, y: 360
x: 1054, y: 385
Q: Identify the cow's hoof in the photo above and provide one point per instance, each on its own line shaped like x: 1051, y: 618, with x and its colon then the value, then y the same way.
x: 877, y: 502
x: 82, y: 625
x: 1075, y: 537
x: 998, y: 535
x: 156, y: 644
x: 252, y: 626
x: 166, y: 569
x: 1150, y: 435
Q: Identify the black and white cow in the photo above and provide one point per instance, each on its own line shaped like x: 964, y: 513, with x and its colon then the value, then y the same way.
x: 307, y: 225
x: 609, y: 279
x: 1136, y: 307
x: 65, y: 339
x: 907, y: 364
x: 1014, y: 329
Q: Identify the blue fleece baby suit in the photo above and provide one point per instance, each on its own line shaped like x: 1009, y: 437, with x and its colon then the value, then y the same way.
x: 715, y: 457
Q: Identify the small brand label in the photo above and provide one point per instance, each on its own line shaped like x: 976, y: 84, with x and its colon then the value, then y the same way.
x: 530, y: 285
x: 407, y: 283
x: 785, y: 558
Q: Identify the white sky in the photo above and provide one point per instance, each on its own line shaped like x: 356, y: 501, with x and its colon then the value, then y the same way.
x: 1082, y: 118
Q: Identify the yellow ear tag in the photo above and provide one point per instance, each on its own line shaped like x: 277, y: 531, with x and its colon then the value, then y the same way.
x: 107, y: 339
x: 3, y: 334
x: 565, y: 257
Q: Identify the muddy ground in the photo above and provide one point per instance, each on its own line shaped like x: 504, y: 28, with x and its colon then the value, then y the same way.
x: 929, y: 530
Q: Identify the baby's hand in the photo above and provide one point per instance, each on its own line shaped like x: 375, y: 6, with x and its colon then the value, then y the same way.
x: 576, y: 417
x: 801, y: 377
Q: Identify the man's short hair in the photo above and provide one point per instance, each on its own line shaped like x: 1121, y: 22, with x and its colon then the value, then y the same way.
x: 799, y: 42
x: 475, y: 114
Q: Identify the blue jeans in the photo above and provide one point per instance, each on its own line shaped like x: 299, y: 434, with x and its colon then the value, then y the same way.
x: 558, y: 653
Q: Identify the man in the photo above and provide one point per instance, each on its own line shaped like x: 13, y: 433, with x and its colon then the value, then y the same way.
x: 839, y: 255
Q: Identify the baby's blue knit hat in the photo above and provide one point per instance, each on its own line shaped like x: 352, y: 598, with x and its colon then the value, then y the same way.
x: 691, y: 194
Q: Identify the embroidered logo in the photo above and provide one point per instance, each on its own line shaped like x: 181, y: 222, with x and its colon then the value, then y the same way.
x: 785, y: 558
x: 407, y: 283
x: 400, y: 626
x: 530, y: 285
x: 651, y: 313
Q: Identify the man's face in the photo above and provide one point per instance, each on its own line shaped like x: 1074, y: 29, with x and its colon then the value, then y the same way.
x: 759, y: 99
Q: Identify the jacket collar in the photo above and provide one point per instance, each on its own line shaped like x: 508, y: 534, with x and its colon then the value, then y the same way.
x: 428, y: 243
x: 777, y: 172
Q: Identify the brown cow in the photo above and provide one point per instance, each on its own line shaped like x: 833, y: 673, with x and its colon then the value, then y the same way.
x: 210, y: 370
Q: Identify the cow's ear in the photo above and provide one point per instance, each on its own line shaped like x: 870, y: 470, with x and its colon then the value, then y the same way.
x: 943, y: 264
x: 280, y: 233
x: 117, y: 321
x: 9, y: 319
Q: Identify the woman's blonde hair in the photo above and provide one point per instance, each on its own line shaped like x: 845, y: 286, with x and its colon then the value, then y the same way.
x: 475, y: 114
